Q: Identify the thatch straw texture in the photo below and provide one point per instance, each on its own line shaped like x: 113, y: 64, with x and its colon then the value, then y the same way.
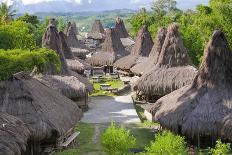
x: 68, y: 86
x: 97, y: 31
x: 65, y: 48
x: 47, y: 113
x: 52, y: 40
x: 80, y: 53
x: 205, y: 106
x: 143, y: 46
x: 72, y: 40
x: 75, y: 28
x: 120, y: 28
x: 112, y: 50
x: 154, y: 54
x: 14, y: 135
x: 173, y: 69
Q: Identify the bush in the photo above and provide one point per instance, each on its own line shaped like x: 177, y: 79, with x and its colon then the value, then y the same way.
x: 221, y: 148
x: 13, y: 61
x: 167, y: 143
x: 117, y: 141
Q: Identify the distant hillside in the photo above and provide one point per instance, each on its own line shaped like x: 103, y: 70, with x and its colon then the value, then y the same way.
x: 84, y: 20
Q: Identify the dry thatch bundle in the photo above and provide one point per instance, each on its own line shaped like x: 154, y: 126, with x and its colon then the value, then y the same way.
x: 48, y: 114
x: 73, y: 63
x: 112, y: 50
x: 205, y: 106
x: 120, y: 28
x: 14, y: 135
x: 173, y: 69
x: 143, y: 46
x: 80, y: 53
x: 97, y: 31
x: 154, y: 54
x: 75, y: 28
x: 67, y: 27
x: 72, y: 40
x: 52, y: 40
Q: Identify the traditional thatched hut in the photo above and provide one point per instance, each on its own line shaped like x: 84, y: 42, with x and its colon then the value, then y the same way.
x: 80, y: 53
x: 67, y: 27
x: 112, y: 50
x: 52, y: 40
x: 142, y: 48
x: 75, y: 28
x: 14, y: 135
x: 97, y: 32
x: 73, y: 63
x: 72, y: 40
x: 153, y: 56
x: 120, y: 28
x: 50, y: 116
x: 203, y: 109
x: 172, y: 71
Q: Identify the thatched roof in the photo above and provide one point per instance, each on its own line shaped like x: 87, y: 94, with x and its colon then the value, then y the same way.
x: 143, y: 43
x: 97, y: 31
x: 154, y: 54
x: 52, y: 21
x: 143, y: 46
x: 65, y: 48
x: 112, y: 50
x: 205, y: 106
x: 173, y: 69
x: 120, y: 28
x: 52, y: 40
x: 46, y: 112
x: 68, y: 86
x: 80, y: 53
x: 72, y: 40
x: 14, y: 135
x: 73, y: 63
x: 75, y: 28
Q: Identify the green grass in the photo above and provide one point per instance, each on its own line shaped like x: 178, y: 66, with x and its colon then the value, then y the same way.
x: 84, y: 141
x: 113, y: 83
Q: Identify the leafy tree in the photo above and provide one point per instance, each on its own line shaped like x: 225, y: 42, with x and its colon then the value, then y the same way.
x: 13, y: 61
x: 221, y: 148
x: 6, y: 13
x: 162, y: 7
x: 29, y: 19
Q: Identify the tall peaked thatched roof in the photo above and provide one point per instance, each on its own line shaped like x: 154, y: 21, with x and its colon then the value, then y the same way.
x: 173, y: 69
x: 65, y: 48
x: 52, y: 21
x: 14, y: 135
x: 112, y: 50
x: 120, y: 28
x: 51, y: 40
x: 97, y: 31
x: 143, y: 46
x: 75, y: 28
x: 46, y: 112
x: 154, y: 54
x: 72, y: 40
x: 67, y: 27
x: 204, y: 107
x: 143, y: 43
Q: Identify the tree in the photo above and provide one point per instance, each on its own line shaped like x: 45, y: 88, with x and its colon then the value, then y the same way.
x: 29, y: 19
x: 6, y: 13
x: 162, y: 7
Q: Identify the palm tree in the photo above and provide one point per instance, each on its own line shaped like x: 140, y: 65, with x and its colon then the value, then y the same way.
x: 6, y: 12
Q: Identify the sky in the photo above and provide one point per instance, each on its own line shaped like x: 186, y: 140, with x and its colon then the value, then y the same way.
x: 97, y: 5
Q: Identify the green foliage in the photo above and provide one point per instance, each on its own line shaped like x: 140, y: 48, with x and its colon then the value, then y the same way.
x: 167, y: 143
x: 29, y: 19
x: 162, y: 7
x: 17, y: 35
x: 221, y: 148
x: 117, y: 141
x: 6, y: 13
x: 13, y: 61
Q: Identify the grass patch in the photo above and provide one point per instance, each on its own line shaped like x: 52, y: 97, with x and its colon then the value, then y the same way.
x: 115, y: 83
x: 84, y: 142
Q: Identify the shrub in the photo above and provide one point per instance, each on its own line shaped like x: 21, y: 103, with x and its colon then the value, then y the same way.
x: 117, y: 141
x: 221, y: 148
x: 13, y: 61
x: 167, y: 143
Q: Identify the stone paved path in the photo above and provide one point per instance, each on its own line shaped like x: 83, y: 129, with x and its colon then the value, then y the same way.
x: 107, y: 109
